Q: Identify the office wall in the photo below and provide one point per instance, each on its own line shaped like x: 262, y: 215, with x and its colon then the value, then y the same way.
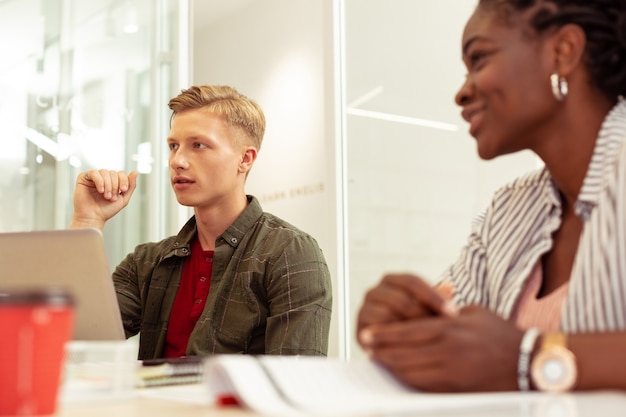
x: 279, y: 52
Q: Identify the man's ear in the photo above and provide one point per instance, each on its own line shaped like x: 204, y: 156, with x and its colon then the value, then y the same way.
x: 569, y: 48
x: 247, y: 159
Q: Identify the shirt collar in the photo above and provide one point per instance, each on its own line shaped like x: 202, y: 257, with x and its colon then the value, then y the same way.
x: 610, y: 138
x: 244, y: 222
x: 232, y: 235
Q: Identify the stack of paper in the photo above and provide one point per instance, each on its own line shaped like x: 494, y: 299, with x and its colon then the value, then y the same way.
x: 291, y: 386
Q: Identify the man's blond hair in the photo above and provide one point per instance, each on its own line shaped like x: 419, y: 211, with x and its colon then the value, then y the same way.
x: 236, y: 109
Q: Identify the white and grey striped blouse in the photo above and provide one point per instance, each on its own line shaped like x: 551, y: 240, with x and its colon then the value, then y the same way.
x: 516, y: 229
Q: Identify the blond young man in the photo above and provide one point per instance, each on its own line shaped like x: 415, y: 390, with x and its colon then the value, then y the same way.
x: 234, y: 279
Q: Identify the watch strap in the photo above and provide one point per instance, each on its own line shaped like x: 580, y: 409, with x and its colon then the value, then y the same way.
x: 523, y: 362
x: 552, y: 339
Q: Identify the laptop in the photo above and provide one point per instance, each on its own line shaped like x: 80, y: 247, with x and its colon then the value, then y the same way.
x: 71, y: 259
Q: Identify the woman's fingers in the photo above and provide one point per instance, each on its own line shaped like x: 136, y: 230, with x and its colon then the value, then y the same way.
x: 403, y: 296
x: 477, y: 351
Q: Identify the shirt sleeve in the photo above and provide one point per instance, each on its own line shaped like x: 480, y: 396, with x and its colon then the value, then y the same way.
x: 125, y: 279
x: 300, y: 301
x: 467, y: 274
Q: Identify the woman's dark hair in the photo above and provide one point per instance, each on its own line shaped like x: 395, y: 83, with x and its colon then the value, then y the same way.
x: 604, y: 23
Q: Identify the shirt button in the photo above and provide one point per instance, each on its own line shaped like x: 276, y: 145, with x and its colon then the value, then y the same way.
x: 233, y: 240
x: 202, y: 279
x: 198, y: 301
x: 208, y: 259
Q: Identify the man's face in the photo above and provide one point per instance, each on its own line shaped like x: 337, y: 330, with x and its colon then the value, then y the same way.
x: 205, y: 165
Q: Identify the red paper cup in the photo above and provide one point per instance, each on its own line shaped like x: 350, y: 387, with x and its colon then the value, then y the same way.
x: 34, y: 327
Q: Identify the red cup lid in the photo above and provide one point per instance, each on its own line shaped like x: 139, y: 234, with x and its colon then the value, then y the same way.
x: 47, y: 296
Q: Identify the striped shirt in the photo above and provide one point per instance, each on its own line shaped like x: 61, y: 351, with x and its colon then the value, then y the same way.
x: 510, y: 237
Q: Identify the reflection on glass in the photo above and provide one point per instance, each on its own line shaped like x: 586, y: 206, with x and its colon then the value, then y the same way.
x: 82, y: 85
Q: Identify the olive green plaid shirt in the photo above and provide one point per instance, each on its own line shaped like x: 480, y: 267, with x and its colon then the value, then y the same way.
x: 270, y: 290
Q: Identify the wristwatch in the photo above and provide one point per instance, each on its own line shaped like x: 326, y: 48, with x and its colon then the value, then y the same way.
x: 553, y: 369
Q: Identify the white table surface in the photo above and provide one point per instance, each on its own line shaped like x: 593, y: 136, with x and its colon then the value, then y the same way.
x: 191, y: 401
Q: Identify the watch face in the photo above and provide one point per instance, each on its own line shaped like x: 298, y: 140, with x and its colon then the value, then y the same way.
x: 554, y: 370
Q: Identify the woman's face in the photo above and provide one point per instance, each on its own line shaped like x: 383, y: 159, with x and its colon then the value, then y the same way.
x: 506, y: 97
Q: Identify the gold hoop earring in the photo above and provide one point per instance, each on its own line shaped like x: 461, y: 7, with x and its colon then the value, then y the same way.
x: 559, y: 86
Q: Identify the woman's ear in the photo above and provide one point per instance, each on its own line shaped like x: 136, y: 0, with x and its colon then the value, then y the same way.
x: 569, y: 48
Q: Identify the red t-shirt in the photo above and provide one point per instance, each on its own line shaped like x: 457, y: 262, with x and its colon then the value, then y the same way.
x: 193, y: 291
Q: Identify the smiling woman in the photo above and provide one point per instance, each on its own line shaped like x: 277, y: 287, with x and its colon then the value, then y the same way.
x: 538, y: 286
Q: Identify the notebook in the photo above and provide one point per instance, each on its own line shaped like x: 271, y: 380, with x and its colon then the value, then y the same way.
x: 71, y: 259
x: 170, y: 371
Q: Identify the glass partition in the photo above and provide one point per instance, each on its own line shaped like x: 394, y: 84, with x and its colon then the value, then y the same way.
x: 413, y: 178
x: 85, y: 84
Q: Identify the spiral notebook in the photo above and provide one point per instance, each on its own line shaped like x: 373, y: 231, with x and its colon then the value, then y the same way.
x: 172, y: 371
